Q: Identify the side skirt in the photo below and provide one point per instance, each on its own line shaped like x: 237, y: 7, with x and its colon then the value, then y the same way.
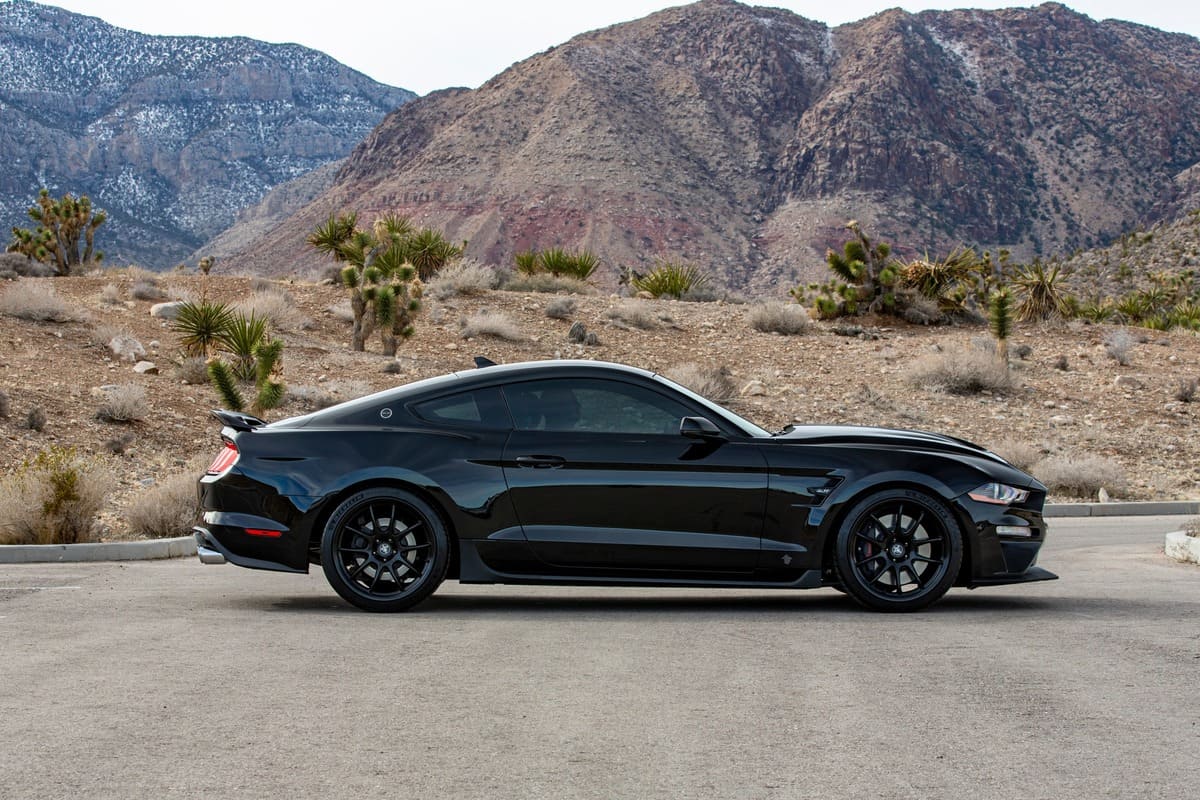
x: 473, y: 570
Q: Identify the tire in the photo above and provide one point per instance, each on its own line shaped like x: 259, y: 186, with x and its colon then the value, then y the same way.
x: 384, y: 549
x: 898, y: 550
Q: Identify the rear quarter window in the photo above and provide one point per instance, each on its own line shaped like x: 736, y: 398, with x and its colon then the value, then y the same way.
x: 478, y: 408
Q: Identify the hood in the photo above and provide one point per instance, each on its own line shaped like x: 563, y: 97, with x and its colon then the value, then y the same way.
x: 883, y: 437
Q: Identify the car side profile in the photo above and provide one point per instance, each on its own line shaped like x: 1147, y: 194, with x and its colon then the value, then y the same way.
x: 588, y: 473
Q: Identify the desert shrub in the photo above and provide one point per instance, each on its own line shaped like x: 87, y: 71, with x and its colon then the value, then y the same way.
x: 36, y: 303
x: 1080, y: 475
x: 490, y: 323
x: 35, y: 420
x: 1061, y: 363
x: 1118, y: 345
x: 545, y: 284
x: 52, y: 498
x: 632, y: 314
x: 1023, y: 351
x: 561, y: 308
x: 1185, y: 390
x: 123, y: 404
x: 463, y: 277
x: 5, y: 405
x: 1020, y: 454
x: 147, y: 290
x: 310, y: 398
x: 1097, y: 309
x: 117, y: 445
x: 192, y: 370
x: 341, y: 312
x: 258, y: 284
x: 969, y: 371
x: 169, y: 508
x: 788, y: 319
x: 110, y: 295
x: 715, y: 383
x: 671, y: 279
x: 125, y: 347
x: 917, y: 309
x: 276, y: 307
x: 345, y: 390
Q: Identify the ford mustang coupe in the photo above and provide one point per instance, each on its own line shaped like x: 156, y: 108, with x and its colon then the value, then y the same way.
x: 587, y: 473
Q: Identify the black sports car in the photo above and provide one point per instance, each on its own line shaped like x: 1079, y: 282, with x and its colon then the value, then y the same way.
x: 575, y: 472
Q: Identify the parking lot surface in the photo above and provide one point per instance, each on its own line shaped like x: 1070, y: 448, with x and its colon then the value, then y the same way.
x: 173, y: 680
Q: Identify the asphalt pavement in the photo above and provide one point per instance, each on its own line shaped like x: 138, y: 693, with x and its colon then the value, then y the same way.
x: 168, y: 679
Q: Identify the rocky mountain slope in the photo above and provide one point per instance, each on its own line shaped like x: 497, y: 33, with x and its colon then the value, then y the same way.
x: 171, y: 135
x: 744, y: 138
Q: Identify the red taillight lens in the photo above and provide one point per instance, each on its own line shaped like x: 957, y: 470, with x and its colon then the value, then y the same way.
x: 224, y: 460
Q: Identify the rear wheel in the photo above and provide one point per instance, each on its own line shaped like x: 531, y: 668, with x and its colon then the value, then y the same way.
x: 384, y: 549
x: 898, y: 550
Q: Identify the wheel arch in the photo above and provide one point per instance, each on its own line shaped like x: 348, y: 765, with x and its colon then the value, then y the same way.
x: 330, y: 503
x: 833, y: 520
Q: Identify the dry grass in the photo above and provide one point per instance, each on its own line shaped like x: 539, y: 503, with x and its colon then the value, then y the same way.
x: 310, y: 398
x: 53, y: 498
x: 110, y: 295
x: 123, y: 404
x: 1119, y: 346
x: 788, y: 319
x: 278, y: 308
x: 465, y: 277
x: 1081, y: 475
x: 490, y: 323
x: 545, y: 283
x: 169, y: 508
x: 148, y: 290
x: 1021, y: 455
x: 5, y: 405
x: 715, y: 383
x: 192, y: 370
x: 341, y: 312
x: 345, y: 390
x: 124, y: 346
x: 633, y: 314
x: 36, y: 303
x: 561, y: 308
x: 970, y: 371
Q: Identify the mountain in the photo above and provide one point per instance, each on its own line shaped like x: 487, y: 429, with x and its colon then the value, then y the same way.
x: 744, y: 138
x: 172, y: 135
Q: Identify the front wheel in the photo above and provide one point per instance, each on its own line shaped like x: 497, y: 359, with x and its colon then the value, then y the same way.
x: 898, y: 550
x: 384, y: 549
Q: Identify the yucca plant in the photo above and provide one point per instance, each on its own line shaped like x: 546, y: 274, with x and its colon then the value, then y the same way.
x: 240, y: 339
x: 1000, y: 319
x: 1132, y: 308
x: 1186, y: 315
x: 429, y: 251
x: 1098, y: 309
x: 268, y: 388
x: 526, y: 262
x: 671, y: 279
x: 1042, y: 295
x: 200, y: 326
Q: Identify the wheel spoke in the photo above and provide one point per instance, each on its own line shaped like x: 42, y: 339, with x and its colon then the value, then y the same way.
x: 897, y: 518
x: 395, y: 577
x: 899, y: 581
x: 375, y: 580
x: 879, y: 526
x: 916, y: 523
x: 925, y: 541
x: 916, y: 576
x: 392, y: 520
x: 364, y: 550
x: 919, y: 557
x: 374, y: 520
x: 408, y: 564
x: 859, y: 565
x: 358, y: 532
x: 360, y: 568
x: 410, y: 528
x: 863, y: 535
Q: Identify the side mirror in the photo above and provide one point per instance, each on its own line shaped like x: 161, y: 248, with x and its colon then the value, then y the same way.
x: 699, y: 428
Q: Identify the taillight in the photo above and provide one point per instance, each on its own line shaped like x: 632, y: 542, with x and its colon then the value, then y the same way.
x: 224, y: 460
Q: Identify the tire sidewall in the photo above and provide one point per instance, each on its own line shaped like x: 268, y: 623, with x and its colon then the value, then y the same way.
x: 843, y: 550
x: 425, y: 586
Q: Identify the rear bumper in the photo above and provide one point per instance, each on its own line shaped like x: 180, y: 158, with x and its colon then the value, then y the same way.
x: 210, y: 551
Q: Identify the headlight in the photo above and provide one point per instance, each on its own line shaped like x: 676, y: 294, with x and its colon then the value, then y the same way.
x: 999, y: 493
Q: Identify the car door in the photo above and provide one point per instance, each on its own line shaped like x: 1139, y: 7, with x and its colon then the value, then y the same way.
x: 602, y: 480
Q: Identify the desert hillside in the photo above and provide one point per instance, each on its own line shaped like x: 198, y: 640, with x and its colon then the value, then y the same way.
x: 1070, y: 399
x: 743, y: 137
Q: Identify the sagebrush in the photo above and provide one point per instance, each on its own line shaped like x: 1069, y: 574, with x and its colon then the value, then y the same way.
x: 169, y: 508
x: 52, y: 498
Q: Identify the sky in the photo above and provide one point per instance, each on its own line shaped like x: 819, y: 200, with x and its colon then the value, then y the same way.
x: 433, y: 44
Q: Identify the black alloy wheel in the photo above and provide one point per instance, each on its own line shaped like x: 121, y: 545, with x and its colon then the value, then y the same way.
x: 384, y: 550
x: 898, y: 550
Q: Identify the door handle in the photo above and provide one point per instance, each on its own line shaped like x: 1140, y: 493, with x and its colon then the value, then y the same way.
x: 541, y: 462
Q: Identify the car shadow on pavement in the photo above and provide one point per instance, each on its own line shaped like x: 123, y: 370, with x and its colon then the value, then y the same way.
x: 477, y: 603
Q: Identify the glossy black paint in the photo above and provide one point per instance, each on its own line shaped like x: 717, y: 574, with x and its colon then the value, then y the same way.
x: 711, y: 501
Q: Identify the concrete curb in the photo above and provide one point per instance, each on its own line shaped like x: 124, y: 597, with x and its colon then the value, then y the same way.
x: 1182, y: 547
x: 1151, y: 508
x: 98, y: 551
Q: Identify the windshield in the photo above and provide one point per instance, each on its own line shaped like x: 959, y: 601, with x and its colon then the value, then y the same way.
x: 745, y: 425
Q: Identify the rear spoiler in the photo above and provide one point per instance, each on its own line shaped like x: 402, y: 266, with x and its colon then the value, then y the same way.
x: 238, y: 421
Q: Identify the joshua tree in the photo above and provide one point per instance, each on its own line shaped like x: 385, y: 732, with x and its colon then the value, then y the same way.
x: 61, y: 224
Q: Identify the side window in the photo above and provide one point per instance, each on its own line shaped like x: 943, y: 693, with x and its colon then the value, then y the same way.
x: 592, y: 406
x: 481, y: 408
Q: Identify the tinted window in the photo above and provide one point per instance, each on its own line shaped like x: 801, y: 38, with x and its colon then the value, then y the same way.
x: 591, y: 405
x: 481, y: 409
